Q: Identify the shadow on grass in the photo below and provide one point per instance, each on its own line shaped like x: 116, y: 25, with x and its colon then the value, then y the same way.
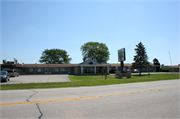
x: 117, y: 77
x: 140, y: 75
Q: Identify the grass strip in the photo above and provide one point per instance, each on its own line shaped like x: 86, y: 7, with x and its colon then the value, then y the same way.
x: 91, y: 80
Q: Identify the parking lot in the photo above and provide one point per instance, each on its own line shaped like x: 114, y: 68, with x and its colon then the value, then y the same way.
x: 37, y: 79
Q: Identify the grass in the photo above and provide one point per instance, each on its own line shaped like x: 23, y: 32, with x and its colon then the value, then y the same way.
x: 91, y: 80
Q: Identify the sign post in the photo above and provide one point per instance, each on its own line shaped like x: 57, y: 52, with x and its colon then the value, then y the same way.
x: 122, y: 66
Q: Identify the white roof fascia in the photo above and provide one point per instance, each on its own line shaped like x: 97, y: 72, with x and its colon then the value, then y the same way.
x: 45, y: 66
x: 92, y: 65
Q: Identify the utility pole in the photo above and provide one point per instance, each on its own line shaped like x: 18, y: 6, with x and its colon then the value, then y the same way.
x: 170, y: 58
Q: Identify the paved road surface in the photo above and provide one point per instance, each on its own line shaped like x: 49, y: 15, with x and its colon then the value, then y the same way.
x: 148, y: 100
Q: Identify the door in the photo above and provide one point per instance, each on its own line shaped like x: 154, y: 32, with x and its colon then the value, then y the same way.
x: 24, y: 71
x: 47, y: 70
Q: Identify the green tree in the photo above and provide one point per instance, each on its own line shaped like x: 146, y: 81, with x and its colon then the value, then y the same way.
x: 141, y: 58
x: 55, y: 56
x: 95, y: 51
x: 156, y: 62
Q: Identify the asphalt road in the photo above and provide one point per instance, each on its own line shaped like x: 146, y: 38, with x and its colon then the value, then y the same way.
x: 147, y: 100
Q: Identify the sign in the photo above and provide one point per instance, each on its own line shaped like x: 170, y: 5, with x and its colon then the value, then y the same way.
x: 121, y: 55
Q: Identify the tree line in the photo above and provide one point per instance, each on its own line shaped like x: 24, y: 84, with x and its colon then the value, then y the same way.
x: 96, y: 51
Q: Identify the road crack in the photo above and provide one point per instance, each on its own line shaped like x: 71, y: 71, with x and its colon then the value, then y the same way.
x: 35, y: 92
x: 31, y: 96
x: 39, y: 111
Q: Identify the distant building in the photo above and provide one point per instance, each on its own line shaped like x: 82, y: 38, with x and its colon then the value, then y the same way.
x: 173, y: 68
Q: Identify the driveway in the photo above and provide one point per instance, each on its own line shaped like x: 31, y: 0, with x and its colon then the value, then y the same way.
x: 37, y: 79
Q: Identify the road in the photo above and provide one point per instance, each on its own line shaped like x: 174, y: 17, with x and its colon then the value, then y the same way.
x: 147, y: 100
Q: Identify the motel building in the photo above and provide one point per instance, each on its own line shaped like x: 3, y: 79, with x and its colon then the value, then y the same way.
x: 84, y: 68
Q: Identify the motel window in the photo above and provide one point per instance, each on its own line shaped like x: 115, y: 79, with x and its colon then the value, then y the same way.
x: 98, y: 70
x: 39, y: 69
x: 85, y: 69
x: 101, y: 69
x: 56, y: 69
x: 63, y: 69
x: 88, y: 69
x: 31, y: 70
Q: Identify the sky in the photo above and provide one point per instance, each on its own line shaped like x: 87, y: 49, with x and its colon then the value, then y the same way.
x: 30, y: 27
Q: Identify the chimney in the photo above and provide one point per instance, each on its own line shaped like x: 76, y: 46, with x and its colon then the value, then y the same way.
x: 84, y: 59
x: 4, y: 61
x: 15, y: 61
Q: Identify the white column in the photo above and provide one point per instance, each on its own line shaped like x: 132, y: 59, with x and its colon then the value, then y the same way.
x: 95, y: 69
x: 108, y: 69
x: 75, y: 70
x: 81, y: 70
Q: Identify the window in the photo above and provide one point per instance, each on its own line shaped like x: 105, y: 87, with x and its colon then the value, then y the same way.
x: 31, y: 70
x: 63, y: 69
x: 56, y: 69
x: 88, y: 69
x: 3, y: 73
x: 98, y: 69
x: 84, y: 69
x: 101, y: 69
x: 39, y: 69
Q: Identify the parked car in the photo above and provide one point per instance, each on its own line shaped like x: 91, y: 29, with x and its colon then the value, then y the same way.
x: 112, y: 71
x: 13, y: 73
x: 4, y: 76
x: 134, y: 71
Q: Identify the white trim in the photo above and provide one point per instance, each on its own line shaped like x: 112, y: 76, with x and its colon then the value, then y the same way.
x: 47, y: 66
x: 102, y: 65
x: 75, y: 70
x: 107, y: 69
x: 81, y: 69
x: 95, y: 69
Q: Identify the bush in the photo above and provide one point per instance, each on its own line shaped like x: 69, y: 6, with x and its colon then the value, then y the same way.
x: 165, y: 70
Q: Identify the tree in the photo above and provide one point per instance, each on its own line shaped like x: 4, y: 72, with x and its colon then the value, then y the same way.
x: 156, y: 62
x: 95, y: 51
x: 55, y: 56
x: 141, y: 57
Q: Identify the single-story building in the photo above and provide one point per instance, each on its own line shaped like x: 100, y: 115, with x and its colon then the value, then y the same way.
x: 84, y: 68
x: 87, y: 67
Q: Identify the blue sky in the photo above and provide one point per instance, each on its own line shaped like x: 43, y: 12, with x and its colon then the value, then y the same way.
x: 30, y: 27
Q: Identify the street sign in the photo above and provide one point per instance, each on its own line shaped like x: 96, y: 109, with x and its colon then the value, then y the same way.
x: 121, y: 55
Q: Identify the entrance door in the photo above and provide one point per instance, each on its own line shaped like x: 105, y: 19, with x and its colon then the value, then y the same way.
x: 47, y: 70
x: 24, y: 71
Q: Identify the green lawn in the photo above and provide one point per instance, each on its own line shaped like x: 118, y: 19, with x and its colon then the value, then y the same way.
x: 92, y: 80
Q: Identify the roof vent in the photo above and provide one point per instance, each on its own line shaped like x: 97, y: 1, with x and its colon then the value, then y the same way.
x: 91, y: 63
